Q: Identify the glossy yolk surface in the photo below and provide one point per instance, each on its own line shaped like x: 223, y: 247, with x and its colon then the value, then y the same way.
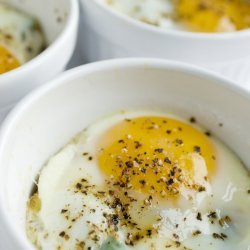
x: 7, y: 61
x: 213, y: 15
x: 157, y: 155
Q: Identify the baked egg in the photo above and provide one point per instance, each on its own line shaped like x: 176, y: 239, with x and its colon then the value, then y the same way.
x: 141, y: 180
x: 21, y: 38
x: 191, y: 15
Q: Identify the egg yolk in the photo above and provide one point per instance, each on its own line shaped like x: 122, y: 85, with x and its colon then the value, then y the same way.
x: 213, y: 15
x: 7, y: 61
x: 157, y: 155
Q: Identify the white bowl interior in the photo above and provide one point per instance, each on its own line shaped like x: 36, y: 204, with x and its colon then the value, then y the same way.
x: 47, y: 120
x: 52, y: 15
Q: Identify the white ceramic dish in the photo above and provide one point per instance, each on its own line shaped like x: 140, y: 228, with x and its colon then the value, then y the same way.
x: 106, y: 33
x: 59, y: 19
x: 45, y: 120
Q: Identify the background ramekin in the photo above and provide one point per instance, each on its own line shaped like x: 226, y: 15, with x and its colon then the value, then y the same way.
x: 45, y: 120
x: 106, y: 33
x: 59, y: 19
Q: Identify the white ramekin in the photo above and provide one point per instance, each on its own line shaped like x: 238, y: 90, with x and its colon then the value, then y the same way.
x: 59, y: 19
x: 45, y: 120
x: 106, y: 33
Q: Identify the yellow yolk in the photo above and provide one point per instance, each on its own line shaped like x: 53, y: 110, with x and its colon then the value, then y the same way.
x: 157, y: 155
x: 213, y: 15
x: 7, y: 61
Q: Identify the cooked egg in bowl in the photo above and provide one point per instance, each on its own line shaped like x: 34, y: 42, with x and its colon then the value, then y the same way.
x: 165, y: 165
x: 141, y: 180
x: 213, y: 34
x: 33, y: 34
x: 192, y: 15
x: 21, y: 38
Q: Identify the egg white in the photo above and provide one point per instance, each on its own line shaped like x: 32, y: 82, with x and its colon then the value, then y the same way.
x: 227, y: 196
